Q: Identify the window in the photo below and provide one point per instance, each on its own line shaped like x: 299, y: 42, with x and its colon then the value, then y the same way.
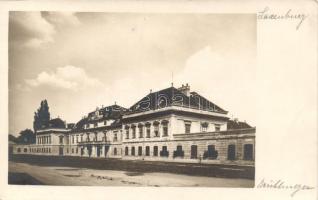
x: 134, y: 132
x: 204, y: 126
x: 178, y: 152
x: 126, y: 151
x: 248, y: 152
x: 217, y: 127
x: 132, y: 151
x: 140, y: 151
x: 148, y: 131
x: 155, y: 151
x: 87, y: 125
x: 19, y: 150
x: 49, y: 150
x: 61, y: 139
x: 211, y: 153
x: 76, y: 150
x: 147, y: 151
x: 141, y: 134
x: 127, y: 133
x: 25, y: 150
x: 76, y: 138
x: 164, y: 152
x: 156, y: 130
x: 187, y: 126
x: 115, y: 151
x: 231, y: 154
x: 95, y: 124
x: 105, y: 123
x: 72, y: 150
x: 81, y: 138
x: 115, y: 136
x: 165, y: 128
x: 72, y: 139
x: 194, y: 151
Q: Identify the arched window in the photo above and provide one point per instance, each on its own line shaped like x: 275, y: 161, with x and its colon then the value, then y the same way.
x: 126, y: 151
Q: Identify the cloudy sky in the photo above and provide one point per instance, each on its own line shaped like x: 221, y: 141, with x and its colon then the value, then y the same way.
x: 78, y: 61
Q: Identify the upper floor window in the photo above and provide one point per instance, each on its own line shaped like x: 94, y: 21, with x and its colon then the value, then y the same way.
x: 156, y: 130
x: 127, y: 133
x: 73, y: 139
x: 95, y: 124
x: 187, y: 126
x: 165, y: 128
x: 141, y: 128
x: 217, y: 127
x: 148, y: 130
x: 204, y: 126
x: 61, y: 139
x: 87, y: 125
x: 133, y: 131
x: 105, y: 122
x: 115, y: 137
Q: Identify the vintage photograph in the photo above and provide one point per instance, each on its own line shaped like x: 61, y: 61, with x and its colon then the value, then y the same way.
x: 132, y: 99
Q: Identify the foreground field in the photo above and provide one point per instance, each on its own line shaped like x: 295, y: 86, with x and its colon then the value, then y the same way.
x: 24, y: 173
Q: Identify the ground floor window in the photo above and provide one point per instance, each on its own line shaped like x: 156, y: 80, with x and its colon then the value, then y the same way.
x: 155, y: 151
x: 132, y: 151
x: 72, y: 150
x: 115, y: 151
x: 194, y: 151
x: 248, y: 152
x: 147, y: 151
x: 126, y: 151
x: 139, y: 151
x: 231, y: 152
x: 25, y: 150
x: 211, y: 153
x: 179, y: 152
x: 164, y: 152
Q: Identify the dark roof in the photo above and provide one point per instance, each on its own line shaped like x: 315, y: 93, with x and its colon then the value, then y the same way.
x: 174, y: 97
x: 113, y: 112
x: 235, y: 124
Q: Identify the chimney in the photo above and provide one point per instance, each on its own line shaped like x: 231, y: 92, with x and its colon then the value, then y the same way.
x: 185, y: 89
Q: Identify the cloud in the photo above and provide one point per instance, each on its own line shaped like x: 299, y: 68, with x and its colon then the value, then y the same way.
x: 37, y: 29
x: 31, y: 28
x: 62, y: 18
x: 68, y: 77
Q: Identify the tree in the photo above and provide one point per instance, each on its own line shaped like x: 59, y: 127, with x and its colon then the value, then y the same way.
x: 42, y: 116
x: 26, y: 136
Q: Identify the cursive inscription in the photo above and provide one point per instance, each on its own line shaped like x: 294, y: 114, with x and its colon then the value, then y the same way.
x: 267, y: 14
x: 279, y: 184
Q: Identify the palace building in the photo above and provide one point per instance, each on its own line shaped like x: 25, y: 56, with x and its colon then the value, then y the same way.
x: 173, y: 125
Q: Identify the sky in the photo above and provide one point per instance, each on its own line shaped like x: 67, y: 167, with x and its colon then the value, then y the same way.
x: 80, y: 61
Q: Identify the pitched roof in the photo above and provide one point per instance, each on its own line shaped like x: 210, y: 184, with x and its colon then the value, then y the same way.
x: 235, y: 124
x: 174, y: 97
x: 113, y: 112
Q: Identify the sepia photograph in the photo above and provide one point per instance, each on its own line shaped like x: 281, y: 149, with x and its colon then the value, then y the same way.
x: 132, y: 99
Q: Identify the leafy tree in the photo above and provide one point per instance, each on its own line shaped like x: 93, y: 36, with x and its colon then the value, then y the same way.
x: 42, y: 116
x: 26, y: 137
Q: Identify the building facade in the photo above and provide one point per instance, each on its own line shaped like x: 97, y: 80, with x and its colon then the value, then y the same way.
x: 173, y: 125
